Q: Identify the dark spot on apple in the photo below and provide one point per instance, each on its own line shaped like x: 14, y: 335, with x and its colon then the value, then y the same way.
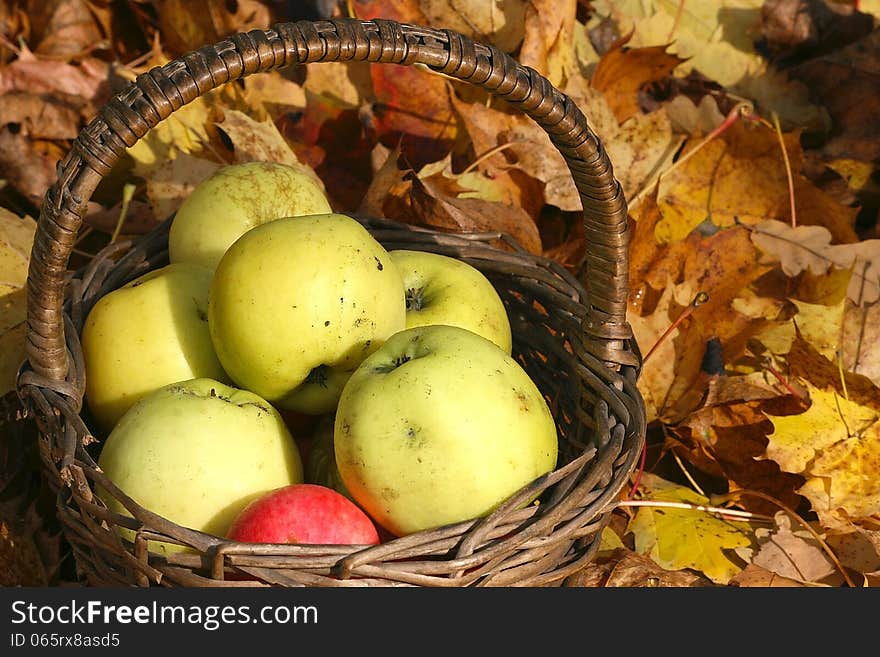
x: 318, y: 376
x: 136, y: 283
x: 327, y: 323
x: 523, y: 400
x: 213, y: 392
x: 411, y: 432
x: 203, y: 316
x: 389, y: 493
x: 378, y: 263
x: 346, y: 428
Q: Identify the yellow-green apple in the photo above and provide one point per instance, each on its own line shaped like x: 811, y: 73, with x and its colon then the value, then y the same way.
x: 197, y: 452
x: 438, y: 426
x: 320, y: 462
x: 297, y: 303
x: 145, y: 334
x: 441, y: 289
x: 234, y: 199
x: 303, y: 513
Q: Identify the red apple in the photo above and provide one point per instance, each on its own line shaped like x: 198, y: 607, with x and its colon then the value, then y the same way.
x: 303, y: 513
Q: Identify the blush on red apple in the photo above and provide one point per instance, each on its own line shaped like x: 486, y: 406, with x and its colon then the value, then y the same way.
x: 304, y: 514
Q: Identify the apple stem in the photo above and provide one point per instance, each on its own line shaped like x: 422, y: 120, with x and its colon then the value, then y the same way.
x: 414, y: 299
x: 318, y: 376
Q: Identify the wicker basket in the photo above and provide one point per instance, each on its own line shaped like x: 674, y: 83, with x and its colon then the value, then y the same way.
x: 573, y: 339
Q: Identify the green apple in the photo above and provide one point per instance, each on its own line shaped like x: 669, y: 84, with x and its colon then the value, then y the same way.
x: 444, y: 290
x: 438, y: 426
x: 236, y: 198
x: 296, y: 304
x: 197, y: 452
x: 146, y: 334
x: 320, y: 463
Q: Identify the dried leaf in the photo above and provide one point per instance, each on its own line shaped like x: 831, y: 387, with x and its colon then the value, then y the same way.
x: 835, y: 445
x: 498, y: 23
x: 687, y: 538
x: 741, y: 178
x: 258, y: 141
x: 717, y: 40
x: 171, y: 181
x: 846, y: 83
x: 792, y: 552
x: 547, y: 44
x: 38, y: 116
x: 723, y: 265
x: 626, y: 569
x: 729, y: 438
x: 757, y: 577
x: 346, y: 84
x: 189, y: 24
x: 809, y: 248
x: 65, y: 27
x: 16, y: 238
x: 435, y: 209
x: 860, y: 340
x: 623, y: 71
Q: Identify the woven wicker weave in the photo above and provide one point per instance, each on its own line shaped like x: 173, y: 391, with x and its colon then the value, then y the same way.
x: 572, y: 338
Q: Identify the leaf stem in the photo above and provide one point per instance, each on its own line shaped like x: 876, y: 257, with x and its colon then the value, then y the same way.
x: 788, y: 173
x: 698, y: 300
x: 715, y: 510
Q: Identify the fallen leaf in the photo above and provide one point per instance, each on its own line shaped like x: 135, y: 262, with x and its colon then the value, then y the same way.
x: 717, y: 40
x: 623, y: 71
x: 625, y: 569
x: 846, y: 82
x: 65, y: 27
x: 757, y: 577
x: 547, y: 43
x: 259, y: 141
x: 498, y: 23
x: 39, y: 117
x: 29, y: 165
x: 728, y: 439
x: 792, y: 552
x: 860, y: 340
x: 740, y: 177
x: 173, y: 180
x: 687, y: 538
x: 792, y: 30
x: 835, y: 445
x: 16, y: 238
x: 722, y: 266
x: 425, y: 120
x: 809, y: 248
x: 807, y: 363
x: 434, y: 209
x: 346, y: 84
x: 189, y: 24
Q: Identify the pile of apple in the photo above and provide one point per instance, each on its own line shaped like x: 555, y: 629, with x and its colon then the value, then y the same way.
x: 273, y: 308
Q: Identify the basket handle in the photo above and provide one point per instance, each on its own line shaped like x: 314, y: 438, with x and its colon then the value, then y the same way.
x: 154, y: 95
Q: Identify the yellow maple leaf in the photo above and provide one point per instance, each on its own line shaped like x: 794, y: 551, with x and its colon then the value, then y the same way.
x: 687, y: 538
x: 835, y: 446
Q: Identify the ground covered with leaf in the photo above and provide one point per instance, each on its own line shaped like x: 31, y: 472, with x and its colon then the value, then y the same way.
x: 744, y: 135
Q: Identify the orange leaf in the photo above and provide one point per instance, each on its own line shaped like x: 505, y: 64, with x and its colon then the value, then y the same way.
x: 622, y: 72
